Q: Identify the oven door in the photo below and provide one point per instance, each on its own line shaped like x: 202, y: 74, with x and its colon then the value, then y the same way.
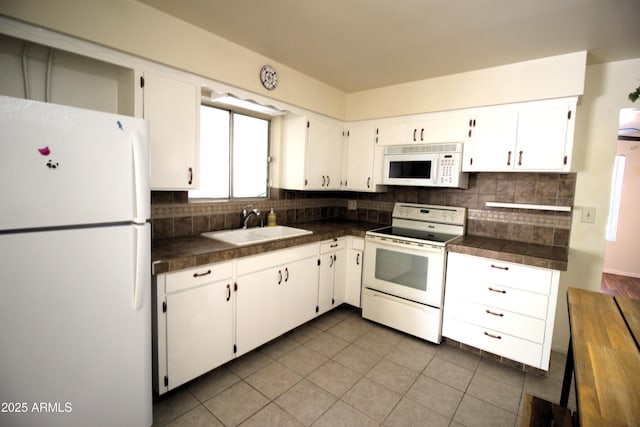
x: 408, y: 271
x: 410, y: 169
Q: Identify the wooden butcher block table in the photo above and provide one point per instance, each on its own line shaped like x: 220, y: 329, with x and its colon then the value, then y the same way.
x: 604, y: 351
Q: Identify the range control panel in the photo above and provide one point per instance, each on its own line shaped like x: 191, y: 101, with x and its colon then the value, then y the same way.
x: 430, y: 213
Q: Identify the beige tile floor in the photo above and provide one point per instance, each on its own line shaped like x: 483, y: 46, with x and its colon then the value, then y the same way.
x: 342, y: 370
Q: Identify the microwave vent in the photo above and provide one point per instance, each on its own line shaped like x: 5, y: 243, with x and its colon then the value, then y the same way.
x: 424, y: 148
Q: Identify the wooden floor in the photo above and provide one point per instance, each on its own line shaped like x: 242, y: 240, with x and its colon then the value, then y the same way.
x: 613, y: 284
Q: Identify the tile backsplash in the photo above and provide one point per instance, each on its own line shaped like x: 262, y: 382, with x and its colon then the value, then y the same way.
x: 172, y: 215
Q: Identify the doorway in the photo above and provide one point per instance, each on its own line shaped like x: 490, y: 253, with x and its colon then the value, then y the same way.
x: 621, y: 273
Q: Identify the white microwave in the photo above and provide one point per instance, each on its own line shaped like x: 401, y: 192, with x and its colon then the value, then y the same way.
x: 425, y: 165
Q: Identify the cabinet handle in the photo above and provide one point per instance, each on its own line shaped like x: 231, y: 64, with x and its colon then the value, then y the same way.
x: 509, y: 158
x: 498, y: 337
x: 358, y: 258
x: 279, y: 277
x: 520, y: 159
x: 228, y: 292
x: 286, y: 278
x: 369, y: 182
x: 422, y: 134
x: 206, y: 273
x: 328, y: 180
x: 331, y: 263
x: 497, y: 290
x: 323, y: 180
x: 499, y: 268
x: 494, y: 313
x: 414, y: 134
x: 190, y: 176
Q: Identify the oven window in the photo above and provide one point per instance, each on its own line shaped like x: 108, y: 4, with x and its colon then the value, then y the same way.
x: 402, y: 268
x: 410, y: 169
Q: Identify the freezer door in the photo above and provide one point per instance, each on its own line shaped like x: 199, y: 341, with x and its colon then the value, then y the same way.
x: 76, y: 351
x: 67, y: 166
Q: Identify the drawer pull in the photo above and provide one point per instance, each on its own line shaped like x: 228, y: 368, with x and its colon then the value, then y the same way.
x: 228, y: 292
x: 499, y: 268
x: 206, y: 273
x: 498, y: 337
x: 500, y: 291
x: 494, y: 314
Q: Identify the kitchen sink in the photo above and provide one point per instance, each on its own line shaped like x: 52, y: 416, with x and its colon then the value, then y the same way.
x: 250, y: 236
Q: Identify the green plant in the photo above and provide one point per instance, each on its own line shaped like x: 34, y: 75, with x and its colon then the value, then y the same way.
x: 633, y: 96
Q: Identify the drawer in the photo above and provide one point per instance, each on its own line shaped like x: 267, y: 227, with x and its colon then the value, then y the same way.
x: 483, y: 270
x: 495, y: 342
x: 503, y: 321
x: 332, y: 245
x: 250, y: 264
x: 357, y: 243
x: 502, y: 297
x: 185, y: 279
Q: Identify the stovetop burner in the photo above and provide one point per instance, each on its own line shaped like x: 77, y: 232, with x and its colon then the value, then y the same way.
x: 420, y: 224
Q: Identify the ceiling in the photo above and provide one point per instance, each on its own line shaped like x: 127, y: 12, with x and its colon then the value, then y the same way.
x: 356, y: 45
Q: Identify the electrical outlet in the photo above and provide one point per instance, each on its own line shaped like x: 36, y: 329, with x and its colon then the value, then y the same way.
x: 589, y: 215
x: 351, y: 205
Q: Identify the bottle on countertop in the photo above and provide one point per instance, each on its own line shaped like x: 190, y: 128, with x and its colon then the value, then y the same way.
x: 271, y: 218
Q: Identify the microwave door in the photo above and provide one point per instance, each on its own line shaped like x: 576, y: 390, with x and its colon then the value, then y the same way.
x: 410, y: 170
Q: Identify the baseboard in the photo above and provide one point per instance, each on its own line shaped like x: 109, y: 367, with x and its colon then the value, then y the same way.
x: 621, y: 273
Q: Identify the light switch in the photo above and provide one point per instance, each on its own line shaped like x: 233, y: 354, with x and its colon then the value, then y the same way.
x: 589, y: 215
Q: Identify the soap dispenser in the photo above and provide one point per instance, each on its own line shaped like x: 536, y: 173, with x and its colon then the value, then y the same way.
x: 271, y: 218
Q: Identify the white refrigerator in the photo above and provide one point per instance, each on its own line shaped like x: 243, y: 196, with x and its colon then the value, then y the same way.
x: 75, y: 317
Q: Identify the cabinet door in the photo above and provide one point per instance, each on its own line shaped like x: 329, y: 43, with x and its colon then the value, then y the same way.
x: 172, y: 108
x: 492, y: 140
x: 299, y: 292
x: 325, y: 283
x: 442, y: 127
x: 258, y: 318
x: 542, y: 138
x: 199, y: 331
x: 397, y: 132
x: 324, y: 156
x: 353, y: 284
x: 360, y: 157
x: 339, y: 276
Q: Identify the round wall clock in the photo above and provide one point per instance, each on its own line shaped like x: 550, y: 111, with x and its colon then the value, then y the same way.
x: 269, y: 77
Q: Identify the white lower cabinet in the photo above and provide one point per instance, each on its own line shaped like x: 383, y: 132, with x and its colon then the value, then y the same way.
x: 275, y: 292
x: 208, y: 315
x: 353, y: 283
x: 194, y: 323
x: 333, y: 274
x: 503, y: 308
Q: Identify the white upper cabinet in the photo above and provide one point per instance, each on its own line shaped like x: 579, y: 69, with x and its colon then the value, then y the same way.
x: 312, y: 152
x: 172, y: 108
x: 528, y: 137
x: 448, y: 126
x: 363, y: 158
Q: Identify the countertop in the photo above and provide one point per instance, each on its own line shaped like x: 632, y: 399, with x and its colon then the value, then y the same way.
x: 185, y: 252
x: 552, y: 257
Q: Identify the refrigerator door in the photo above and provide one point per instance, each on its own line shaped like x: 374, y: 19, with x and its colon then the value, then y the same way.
x: 75, y: 351
x: 67, y: 166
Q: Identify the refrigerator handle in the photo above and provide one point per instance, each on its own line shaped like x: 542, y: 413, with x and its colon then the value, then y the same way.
x: 140, y: 177
x: 142, y: 273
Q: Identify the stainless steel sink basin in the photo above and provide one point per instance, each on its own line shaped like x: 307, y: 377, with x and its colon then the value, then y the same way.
x: 251, y: 236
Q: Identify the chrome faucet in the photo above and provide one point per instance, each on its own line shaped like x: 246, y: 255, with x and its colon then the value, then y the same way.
x: 246, y: 214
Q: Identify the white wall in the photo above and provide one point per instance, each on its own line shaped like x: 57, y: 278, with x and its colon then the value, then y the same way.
x: 138, y: 29
x: 553, y: 77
